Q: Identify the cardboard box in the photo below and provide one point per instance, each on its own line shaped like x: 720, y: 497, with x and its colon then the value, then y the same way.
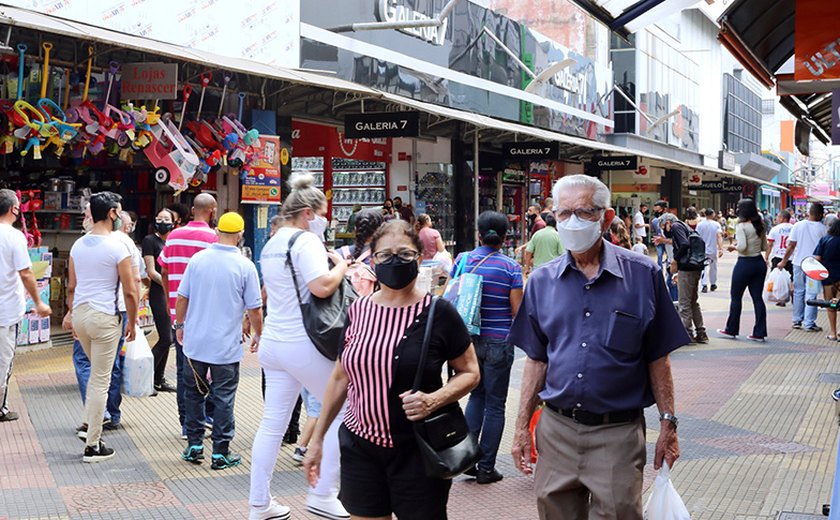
x: 52, y: 200
x: 44, y: 335
x: 34, y: 328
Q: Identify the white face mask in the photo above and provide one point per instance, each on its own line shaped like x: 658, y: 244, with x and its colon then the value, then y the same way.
x: 579, y: 235
x: 87, y: 224
x: 318, y: 225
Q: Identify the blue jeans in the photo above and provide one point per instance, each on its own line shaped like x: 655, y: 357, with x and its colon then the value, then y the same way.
x: 485, y: 411
x: 179, y: 386
x: 224, y: 382
x: 804, y: 314
x: 660, y: 253
x: 82, y: 365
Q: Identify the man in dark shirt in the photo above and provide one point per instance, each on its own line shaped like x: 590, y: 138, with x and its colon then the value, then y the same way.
x: 688, y: 277
x: 597, y: 325
x: 404, y: 212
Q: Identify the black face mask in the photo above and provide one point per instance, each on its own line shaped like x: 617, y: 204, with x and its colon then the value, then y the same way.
x: 163, y: 227
x: 396, y: 274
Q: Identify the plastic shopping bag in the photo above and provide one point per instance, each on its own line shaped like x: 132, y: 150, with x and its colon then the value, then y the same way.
x: 464, y: 292
x: 665, y: 503
x: 777, y: 286
x: 139, y: 369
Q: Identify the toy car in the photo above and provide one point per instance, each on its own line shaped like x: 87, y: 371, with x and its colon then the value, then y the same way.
x: 172, y: 156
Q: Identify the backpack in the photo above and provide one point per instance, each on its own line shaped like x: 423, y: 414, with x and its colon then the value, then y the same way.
x: 694, y: 258
x: 361, y: 276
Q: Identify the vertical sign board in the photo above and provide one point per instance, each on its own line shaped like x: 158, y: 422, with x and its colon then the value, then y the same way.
x: 262, y: 184
x: 816, y: 40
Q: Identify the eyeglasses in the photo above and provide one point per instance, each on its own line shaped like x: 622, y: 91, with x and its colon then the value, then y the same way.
x: 581, y: 213
x: 404, y: 255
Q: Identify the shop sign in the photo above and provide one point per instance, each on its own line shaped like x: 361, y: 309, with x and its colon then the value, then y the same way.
x: 616, y: 162
x: 262, y: 184
x: 835, y: 117
x: 798, y: 192
x: 382, y: 124
x: 149, y: 81
x: 694, y: 179
x: 396, y: 11
x: 532, y: 151
x: 820, y: 189
x: 718, y: 187
x: 726, y: 160
x: 816, y: 40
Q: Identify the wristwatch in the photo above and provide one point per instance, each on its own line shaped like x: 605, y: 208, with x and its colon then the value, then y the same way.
x: 178, y: 326
x: 669, y: 417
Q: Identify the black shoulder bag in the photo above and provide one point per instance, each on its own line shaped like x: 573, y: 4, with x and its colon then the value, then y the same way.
x: 324, y: 318
x: 444, y: 439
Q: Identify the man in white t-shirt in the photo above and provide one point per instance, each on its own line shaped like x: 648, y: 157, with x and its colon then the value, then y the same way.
x: 712, y: 234
x: 99, y: 265
x: 639, y: 226
x: 802, y: 241
x: 15, y: 276
x: 777, y: 241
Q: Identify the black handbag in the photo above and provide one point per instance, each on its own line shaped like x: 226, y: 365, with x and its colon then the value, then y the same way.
x: 446, y: 445
x: 324, y: 318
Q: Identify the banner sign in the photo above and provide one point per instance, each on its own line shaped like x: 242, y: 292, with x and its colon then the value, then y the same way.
x: 149, y: 81
x: 616, y: 162
x: 816, y: 40
x: 532, y: 151
x: 718, y: 187
x: 262, y: 184
x: 382, y: 124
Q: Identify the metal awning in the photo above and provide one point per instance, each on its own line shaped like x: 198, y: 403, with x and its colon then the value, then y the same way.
x: 760, y: 34
x: 757, y: 166
x: 628, y: 16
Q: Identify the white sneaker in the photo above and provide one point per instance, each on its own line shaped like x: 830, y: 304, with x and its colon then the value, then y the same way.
x: 274, y: 511
x: 326, y: 506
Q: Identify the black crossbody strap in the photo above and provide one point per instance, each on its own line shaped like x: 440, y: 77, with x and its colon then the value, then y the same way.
x: 291, y: 266
x: 424, y: 350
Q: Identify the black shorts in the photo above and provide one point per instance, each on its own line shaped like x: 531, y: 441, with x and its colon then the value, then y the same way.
x: 377, y: 481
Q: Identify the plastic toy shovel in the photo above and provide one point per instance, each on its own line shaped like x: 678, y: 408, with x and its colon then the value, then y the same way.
x: 814, y: 269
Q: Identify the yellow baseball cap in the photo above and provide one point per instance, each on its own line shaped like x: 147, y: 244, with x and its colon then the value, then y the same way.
x: 231, y: 223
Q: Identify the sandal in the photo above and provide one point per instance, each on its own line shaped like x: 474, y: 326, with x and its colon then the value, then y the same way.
x: 830, y: 337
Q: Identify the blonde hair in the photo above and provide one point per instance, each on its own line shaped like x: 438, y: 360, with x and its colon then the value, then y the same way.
x: 303, y: 195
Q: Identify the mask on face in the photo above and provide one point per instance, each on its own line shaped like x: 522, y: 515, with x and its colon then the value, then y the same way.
x: 318, y: 225
x: 579, y: 235
x: 87, y: 224
x: 163, y: 227
x: 395, y: 273
x: 117, y: 224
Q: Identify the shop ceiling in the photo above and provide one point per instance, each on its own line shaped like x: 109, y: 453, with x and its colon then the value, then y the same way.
x: 760, y: 34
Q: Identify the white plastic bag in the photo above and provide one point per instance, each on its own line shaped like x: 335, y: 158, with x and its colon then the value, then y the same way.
x: 777, y: 286
x: 139, y: 368
x: 665, y: 503
x: 444, y: 260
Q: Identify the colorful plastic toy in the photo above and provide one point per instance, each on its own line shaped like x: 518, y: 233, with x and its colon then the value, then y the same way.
x: 172, y: 156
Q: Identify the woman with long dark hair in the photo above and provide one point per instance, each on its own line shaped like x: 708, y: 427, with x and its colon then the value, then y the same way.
x: 361, y: 273
x: 828, y: 253
x: 750, y: 271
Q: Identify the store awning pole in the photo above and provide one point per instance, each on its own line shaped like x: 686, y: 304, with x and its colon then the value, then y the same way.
x: 475, y: 178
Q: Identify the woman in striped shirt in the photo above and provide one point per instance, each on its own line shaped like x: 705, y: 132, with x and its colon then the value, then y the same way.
x: 381, y: 466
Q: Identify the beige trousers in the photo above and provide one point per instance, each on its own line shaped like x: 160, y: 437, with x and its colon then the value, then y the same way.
x: 99, y: 333
x: 593, y: 472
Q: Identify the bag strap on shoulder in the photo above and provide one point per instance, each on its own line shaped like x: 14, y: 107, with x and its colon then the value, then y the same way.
x: 424, y: 350
x: 291, y: 266
x: 476, y: 266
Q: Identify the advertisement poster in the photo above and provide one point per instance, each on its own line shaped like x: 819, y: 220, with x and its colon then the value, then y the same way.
x: 263, y: 183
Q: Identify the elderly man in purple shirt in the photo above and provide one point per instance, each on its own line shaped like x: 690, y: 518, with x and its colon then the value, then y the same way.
x: 597, y: 325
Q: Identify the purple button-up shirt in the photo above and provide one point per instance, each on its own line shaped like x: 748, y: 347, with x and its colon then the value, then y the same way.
x: 598, y: 336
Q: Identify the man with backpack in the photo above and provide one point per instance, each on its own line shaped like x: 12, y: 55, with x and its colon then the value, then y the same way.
x: 688, y: 263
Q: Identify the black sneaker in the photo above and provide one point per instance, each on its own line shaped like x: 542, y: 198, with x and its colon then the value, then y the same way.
x: 472, y: 472
x: 164, y: 386
x: 701, y: 337
x: 713, y: 287
x: 98, y: 453
x: 111, y: 426
x: 705, y: 289
x: 225, y: 460
x: 9, y: 417
x: 488, y: 477
x: 796, y: 325
x: 194, y: 454
x: 813, y: 328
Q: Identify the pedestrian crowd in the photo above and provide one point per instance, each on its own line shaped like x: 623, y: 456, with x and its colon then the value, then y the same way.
x: 375, y: 395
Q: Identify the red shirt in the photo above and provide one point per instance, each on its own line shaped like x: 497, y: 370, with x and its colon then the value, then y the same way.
x: 181, y: 245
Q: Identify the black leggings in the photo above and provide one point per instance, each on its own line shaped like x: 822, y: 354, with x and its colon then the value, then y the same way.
x: 163, y: 324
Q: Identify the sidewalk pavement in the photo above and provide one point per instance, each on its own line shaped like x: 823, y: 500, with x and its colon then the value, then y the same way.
x: 757, y: 432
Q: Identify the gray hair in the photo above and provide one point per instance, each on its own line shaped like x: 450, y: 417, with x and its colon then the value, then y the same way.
x: 668, y: 217
x: 600, y: 192
x: 126, y: 217
x: 8, y: 200
x: 303, y: 195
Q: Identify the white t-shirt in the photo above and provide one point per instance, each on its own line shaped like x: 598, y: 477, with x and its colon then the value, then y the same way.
x: 779, y: 235
x: 708, y: 231
x: 806, y: 234
x: 284, y: 321
x: 136, y: 261
x: 95, y: 260
x: 14, y: 258
x: 640, y: 248
x: 639, y: 219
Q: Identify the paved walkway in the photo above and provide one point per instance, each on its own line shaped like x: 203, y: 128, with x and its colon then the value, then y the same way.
x: 757, y: 432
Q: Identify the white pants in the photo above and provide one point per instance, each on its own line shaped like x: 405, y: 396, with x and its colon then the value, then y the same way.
x: 8, y: 337
x: 288, y: 368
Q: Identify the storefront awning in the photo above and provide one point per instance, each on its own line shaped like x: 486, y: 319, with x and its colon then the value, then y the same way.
x: 770, y: 192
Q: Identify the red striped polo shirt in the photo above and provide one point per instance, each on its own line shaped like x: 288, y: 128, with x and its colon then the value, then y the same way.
x: 370, y: 342
x: 181, y: 245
